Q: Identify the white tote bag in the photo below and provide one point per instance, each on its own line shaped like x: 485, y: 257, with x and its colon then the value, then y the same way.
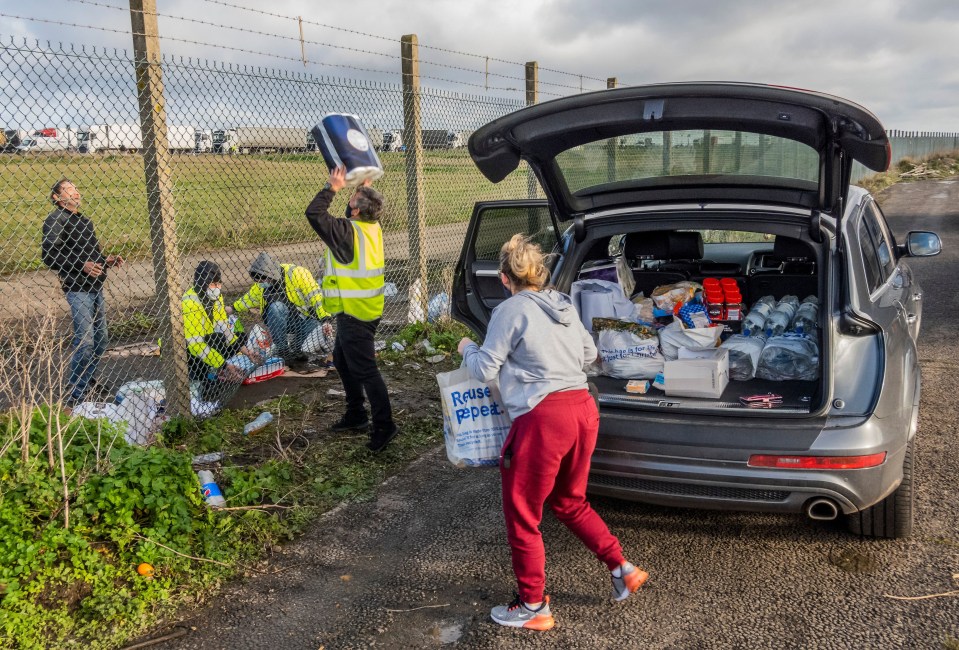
x: 475, y: 422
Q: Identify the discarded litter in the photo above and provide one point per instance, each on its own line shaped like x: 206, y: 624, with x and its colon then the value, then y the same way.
x: 333, y: 392
x: 213, y: 457
x: 438, y: 307
x: 412, y: 366
x: 436, y: 358
x: 390, y: 290
x: 427, y: 346
x: 261, y: 421
x: 397, y: 346
x: 210, y: 490
x: 379, y: 345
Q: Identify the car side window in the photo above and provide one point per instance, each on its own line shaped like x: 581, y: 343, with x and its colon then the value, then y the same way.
x: 881, y: 238
x: 870, y: 257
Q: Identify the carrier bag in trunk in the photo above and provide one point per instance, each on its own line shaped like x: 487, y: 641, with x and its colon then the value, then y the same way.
x: 628, y: 350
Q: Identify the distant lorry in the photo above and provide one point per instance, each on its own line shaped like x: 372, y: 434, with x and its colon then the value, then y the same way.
x: 49, y: 140
x: 203, y: 141
x: 10, y: 139
x: 392, y: 141
x: 98, y: 138
x: 436, y: 139
x: 459, y: 139
x: 260, y: 139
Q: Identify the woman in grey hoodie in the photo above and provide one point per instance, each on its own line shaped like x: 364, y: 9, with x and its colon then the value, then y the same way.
x: 536, y: 347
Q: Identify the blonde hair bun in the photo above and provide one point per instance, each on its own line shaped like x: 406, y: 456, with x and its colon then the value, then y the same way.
x: 523, y: 263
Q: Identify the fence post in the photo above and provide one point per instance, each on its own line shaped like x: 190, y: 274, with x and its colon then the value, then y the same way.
x: 532, y: 97
x: 156, y: 168
x: 413, y: 139
x: 611, y: 144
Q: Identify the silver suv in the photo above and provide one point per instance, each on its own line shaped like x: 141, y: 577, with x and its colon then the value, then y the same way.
x: 683, y: 182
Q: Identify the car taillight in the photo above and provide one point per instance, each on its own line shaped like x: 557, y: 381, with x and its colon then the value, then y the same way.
x: 817, y: 462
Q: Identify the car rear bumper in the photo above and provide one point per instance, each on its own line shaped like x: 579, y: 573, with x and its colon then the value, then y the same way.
x: 627, y: 466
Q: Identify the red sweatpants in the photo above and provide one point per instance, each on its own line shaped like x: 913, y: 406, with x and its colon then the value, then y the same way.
x: 549, y: 451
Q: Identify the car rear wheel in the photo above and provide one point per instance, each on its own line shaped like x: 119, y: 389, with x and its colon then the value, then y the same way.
x: 892, y: 517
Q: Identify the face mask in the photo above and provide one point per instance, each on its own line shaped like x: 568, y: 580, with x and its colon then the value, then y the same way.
x: 212, y: 294
x: 349, y: 211
x: 265, y: 285
x: 507, y: 291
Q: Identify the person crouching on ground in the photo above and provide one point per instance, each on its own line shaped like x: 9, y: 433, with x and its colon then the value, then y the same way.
x: 210, y: 338
x: 536, y: 347
x: 292, y: 307
x: 353, y: 290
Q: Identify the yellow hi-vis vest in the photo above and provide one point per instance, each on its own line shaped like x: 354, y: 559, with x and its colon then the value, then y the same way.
x: 357, y: 288
x: 197, y: 325
x: 301, y: 289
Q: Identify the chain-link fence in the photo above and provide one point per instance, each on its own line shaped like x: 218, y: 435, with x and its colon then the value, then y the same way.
x: 242, y: 169
x: 232, y: 182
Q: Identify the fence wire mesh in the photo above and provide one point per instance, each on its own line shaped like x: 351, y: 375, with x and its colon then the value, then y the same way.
x: 242, y: 169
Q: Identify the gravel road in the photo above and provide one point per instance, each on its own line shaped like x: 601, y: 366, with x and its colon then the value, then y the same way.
x: 422, y: 563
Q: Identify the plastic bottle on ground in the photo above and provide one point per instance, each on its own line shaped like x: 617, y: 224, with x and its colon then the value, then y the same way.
x: 210, y: 490
x: 261, y: 421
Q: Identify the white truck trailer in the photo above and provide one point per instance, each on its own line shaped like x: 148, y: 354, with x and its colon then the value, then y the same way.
x: 260, y: 139
x: 98, y: 138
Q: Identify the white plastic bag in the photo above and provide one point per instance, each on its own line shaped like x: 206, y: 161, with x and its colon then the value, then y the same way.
x: 259, y: 340
x: 599, y: 299
x: 790, y: 357
x: 744, y: 353
x: 675, y: 336
x: 318, y: 342
x: 475, y: 422
x: 626, y: 355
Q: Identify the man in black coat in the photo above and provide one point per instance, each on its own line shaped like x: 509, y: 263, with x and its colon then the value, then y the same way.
x: 70, y: 247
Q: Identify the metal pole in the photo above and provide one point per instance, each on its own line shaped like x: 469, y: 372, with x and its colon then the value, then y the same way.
x: 302, y: 44
x: 611, y: 144
x: 532, y: 97
x: 413, y: 139
x: 156, y: 168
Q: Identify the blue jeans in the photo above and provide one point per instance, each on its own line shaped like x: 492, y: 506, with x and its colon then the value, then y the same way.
x: 288, y: 328
x: 89, y: 313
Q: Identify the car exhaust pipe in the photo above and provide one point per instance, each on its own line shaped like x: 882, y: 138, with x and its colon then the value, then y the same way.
x: 822, y: 509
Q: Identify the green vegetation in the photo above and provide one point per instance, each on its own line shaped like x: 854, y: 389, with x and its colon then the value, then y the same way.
x: 79, y: 584
x: 910, y: 169
x: 221, y: 202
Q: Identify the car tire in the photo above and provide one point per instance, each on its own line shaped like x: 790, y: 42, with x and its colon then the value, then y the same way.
x: 893, y: 517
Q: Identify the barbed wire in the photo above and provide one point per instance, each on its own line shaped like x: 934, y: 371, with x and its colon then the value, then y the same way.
x: 332, y: 45
x: 386, y: 38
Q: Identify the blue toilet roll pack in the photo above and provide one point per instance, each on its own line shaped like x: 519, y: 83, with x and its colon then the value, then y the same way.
x: 343, y: 140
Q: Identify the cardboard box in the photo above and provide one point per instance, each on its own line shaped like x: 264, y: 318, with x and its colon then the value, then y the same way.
x: 698, y: 372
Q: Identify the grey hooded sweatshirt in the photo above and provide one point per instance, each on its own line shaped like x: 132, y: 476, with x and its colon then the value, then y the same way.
x: 266, y: 266
x: 535, y: 345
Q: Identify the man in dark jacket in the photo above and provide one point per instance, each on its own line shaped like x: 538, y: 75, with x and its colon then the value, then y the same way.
x: 353, y: 290
x: 70, y: 247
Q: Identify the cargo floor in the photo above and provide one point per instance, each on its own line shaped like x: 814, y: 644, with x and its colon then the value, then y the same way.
x: 797, y: 396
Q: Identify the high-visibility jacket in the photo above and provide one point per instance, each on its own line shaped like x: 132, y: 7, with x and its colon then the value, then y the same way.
x: 199, y: 324
x: 357, y: 288
x: 301, y: 289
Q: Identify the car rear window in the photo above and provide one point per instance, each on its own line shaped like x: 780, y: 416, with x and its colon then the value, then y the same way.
x: 664, y: 155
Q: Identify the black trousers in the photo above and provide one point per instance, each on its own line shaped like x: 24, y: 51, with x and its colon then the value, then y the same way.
x: 355, y: 361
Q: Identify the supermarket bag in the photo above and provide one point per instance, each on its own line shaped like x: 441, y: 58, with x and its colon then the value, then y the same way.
x: 475, y: 422
x: 628, y: 350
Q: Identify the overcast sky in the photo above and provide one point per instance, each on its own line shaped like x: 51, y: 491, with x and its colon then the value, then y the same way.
x: 899, y: 58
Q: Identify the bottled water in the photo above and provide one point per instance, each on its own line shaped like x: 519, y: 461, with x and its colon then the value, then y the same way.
x: 778, y: 321
x: 261, y: 421
x: 807, y: 317
x: 756, y: 318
